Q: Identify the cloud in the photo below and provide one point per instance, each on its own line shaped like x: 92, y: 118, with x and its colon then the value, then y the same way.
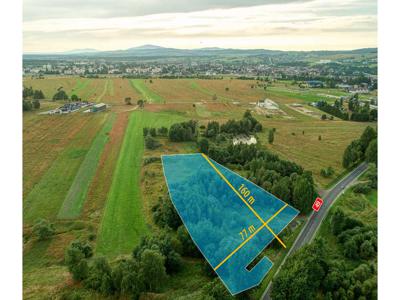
x: 53, y: 9
x: 326, y: 24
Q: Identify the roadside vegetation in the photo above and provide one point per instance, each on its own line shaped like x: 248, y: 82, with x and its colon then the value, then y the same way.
x: 342, y: 262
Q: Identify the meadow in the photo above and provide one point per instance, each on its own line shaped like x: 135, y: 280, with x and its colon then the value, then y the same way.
x: 85, y: 172
x: 123, y: 222
x: 47, y: 196
x: 73, y: 202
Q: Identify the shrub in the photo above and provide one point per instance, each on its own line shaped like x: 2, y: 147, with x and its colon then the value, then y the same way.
x: 151, y: 143
x: 43, y: 229
x: 361, y: 188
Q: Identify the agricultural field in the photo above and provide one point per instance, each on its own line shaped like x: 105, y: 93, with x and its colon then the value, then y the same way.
x: 123, y: 222
x: 86, y: 174
x: 148, y: 94
x: 50, y: 85
x: 176, y: 90
x: 47, y: 195
x: 230, y: 89
x: 118, y: 90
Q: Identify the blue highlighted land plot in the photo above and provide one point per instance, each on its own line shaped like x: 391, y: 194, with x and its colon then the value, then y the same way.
x: 230, y: 219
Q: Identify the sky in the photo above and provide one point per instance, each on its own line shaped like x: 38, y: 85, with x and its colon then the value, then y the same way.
x: 62, y: 25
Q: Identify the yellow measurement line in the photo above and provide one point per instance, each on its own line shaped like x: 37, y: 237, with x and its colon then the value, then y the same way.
x: 265, y: 224
x: 251, y: 236
x: 230, y: 185
x: 238, y: 247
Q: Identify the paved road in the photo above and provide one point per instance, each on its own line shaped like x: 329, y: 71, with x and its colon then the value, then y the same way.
x: 314, y: 221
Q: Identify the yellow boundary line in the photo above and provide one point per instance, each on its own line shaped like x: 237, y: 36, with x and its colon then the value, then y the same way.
x: 265, y: 224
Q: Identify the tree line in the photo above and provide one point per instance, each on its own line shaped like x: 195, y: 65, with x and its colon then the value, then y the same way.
x: 30, y: 98
x: 285, y: 179
x: 336, y: 110
x: 361, y: 112
x: 364, y: 148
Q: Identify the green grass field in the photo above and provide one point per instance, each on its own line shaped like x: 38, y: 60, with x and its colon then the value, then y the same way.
x: 123, y: 222
x: 45, y: 199
x: 73, y: 202
x: 147, y: 93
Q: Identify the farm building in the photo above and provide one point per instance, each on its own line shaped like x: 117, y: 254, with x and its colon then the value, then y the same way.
x: 315, y: 83
x: 268, y: 104
x: 243, y: 139
x: 98, y: 107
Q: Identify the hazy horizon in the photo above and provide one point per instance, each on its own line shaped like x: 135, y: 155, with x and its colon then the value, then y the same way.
x: 82, y: 50
x: 64, y: 25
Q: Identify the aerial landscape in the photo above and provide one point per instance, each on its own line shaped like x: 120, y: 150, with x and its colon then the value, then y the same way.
x: 99, y: 221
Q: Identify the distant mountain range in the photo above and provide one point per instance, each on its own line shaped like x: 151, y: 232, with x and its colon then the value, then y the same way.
x: 157, y: 51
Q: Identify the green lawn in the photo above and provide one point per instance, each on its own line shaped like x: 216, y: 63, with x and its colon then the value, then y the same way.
x: 76, y: 196
x: 123, y: 222
x: 149, y: 95
x: 47, y: 196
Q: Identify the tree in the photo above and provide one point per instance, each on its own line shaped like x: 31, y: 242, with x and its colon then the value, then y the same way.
x: 341, y: 222
x: 323, y: 117
x: 165, y: 215
x: 281, y: 189
x: 127, y: 278
x: 43, y: 229
x: 181, y: 132
x: 371, y: 154
x: 151, y: 143
x: 163, y: 131
x: 367, y: 249
x: 188, y: 247
x: 153, y: 269
x: 26, y: 105
x: 140, y: 103
x: 203, y: 145
x: 60, y: 95
x: 216, y: 290
x: 307, y: 266
x: 212, y: 129
x: 27, y: 92
x: 38, y: 94
x: 271, y: 136
x: 128, y: 100
x: 36, y: 104
x: 367, y: 136
x: 99, y: 277
x: 153, y: 132
x: 75, y: 98
x: 352, y: 155
x: 328, y: 172
x: 85, y: 248
x: 303, y: 193
x: 76, y: 260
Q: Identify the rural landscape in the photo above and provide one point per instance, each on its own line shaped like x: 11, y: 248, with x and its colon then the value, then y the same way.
x: 98, y: 222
